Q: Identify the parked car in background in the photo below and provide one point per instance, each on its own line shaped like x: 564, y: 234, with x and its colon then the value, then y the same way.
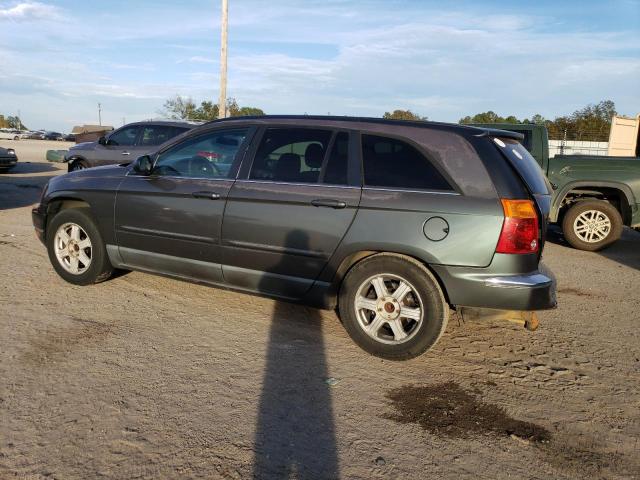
x: 393, y: 222
x: 9, y: 134
x: 594, y: 196
x: 8, y: 159
x: 69, y: 137
x: 37, y: 135
x: 125, y: 144
x: 53, y: 136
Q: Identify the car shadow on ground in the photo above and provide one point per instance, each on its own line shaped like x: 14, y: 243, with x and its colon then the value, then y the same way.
x: 21, y: 186
x: 295, y: 434
x: 625, y: 251
x: 29, y: 167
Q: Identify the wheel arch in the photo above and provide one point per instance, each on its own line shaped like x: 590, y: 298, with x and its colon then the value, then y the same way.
x: 62, y: 202
x: 618, y: 194
x: 351, y: 260
x: 74, y: 158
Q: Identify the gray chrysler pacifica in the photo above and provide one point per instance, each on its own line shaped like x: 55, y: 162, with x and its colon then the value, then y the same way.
x: 392, y: 223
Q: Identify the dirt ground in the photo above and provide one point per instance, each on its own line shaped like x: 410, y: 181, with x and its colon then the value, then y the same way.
x: 147, y: 377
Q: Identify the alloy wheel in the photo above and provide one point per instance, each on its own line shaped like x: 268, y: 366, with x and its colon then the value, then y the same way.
x: 388, y: 308
x: 73, y: 248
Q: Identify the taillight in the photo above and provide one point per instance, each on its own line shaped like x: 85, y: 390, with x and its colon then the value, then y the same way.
x: 520, y: 228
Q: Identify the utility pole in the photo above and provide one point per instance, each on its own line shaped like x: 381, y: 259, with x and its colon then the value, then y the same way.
x: 99, y: 114
x: 222, y: 101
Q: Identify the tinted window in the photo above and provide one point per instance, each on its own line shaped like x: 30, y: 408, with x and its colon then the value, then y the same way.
x: 290, y: 155
x: 396, y: 164
x: 337, y: 163
x: 158, y: 134
x: 524, y: 163
x: 124, y: 137
x: 211, y: 155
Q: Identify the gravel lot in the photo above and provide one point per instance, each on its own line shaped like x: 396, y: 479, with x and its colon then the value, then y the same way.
x: 147, y: 377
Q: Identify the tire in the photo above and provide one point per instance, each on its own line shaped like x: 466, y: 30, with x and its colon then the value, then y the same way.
x: 77, y: 165
x: 99, y: 268
x: 16, y: 138
x: 592, y: 225
x: 385, y: 338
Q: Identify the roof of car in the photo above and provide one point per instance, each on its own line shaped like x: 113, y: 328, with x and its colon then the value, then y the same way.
x: 409, y: 123
x: 171, y: 123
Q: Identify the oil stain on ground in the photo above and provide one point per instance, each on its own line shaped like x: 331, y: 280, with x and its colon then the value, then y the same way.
x: 447, y: 409
x: 56, y: 343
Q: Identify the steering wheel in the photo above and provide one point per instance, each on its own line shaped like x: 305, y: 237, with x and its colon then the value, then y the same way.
x: 201, y: 165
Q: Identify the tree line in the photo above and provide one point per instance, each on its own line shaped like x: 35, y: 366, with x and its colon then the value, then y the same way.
x: 184, y: 108
x: 11, y: 122
x: 590, y: 123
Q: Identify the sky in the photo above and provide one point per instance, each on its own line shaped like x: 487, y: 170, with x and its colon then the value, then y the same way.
x: 443, y: 60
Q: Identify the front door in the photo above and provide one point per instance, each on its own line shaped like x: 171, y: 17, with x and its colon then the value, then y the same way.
x: 286, y: 215
x: 120, y: 147
x: 170, y: 221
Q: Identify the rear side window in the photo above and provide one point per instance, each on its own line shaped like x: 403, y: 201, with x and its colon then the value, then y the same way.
x: 524, y: 163
x: 158, y: 134
x: 291, y: 155
x: 392, y: 163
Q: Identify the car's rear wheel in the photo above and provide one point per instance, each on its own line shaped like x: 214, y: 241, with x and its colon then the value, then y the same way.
x: 78, y: 165
x: 16, y: 138
x: 592, y: 225
x: 76, y: 249
x: 393, y: 307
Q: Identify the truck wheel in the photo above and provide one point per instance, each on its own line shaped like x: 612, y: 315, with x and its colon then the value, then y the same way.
x: 76, y: 249
x: 392, y: 307
x: 592, y: 225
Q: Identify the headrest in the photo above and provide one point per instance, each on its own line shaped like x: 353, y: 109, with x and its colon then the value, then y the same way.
x: 313, y: 155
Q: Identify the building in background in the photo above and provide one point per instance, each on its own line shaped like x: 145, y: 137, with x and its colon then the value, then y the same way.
x: 90, y: 133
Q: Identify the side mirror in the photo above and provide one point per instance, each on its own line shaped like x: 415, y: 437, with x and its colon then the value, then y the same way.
x: 102, y: 140
x: 143, y: 165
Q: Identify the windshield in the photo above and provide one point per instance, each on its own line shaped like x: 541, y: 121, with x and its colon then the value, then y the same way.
x: 525, y: 164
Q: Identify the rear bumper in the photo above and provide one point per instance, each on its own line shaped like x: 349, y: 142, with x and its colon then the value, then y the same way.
x: 472, y: 287
x: 39, y: 219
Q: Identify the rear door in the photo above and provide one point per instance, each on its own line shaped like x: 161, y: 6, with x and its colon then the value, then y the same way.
x: 289, y: 210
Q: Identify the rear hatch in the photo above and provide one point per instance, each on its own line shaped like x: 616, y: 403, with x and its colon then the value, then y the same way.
x: 531, y: 174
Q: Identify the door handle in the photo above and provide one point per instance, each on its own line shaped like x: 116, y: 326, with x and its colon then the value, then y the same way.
x: 208, y: 195
x: 126, y: 153
x: 328, y: 202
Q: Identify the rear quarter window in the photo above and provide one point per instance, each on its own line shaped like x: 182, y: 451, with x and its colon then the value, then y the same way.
x: 392, y: 163
x: 524, y: 163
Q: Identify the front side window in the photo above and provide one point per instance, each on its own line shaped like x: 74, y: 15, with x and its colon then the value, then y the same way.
x: 124, y: 137
x: 211, y: 155
x: 392, y: 163
x: 291, y: 155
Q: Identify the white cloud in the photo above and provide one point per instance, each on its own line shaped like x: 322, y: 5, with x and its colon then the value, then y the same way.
x: 27, y: 11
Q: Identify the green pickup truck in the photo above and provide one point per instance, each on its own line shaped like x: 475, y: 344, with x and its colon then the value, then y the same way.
x: 593, y: 196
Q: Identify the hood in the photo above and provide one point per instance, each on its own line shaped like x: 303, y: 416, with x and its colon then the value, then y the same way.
x: 84, y: 146
x: 98, y: 178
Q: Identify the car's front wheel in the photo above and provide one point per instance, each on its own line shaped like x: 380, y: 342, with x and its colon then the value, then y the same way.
x: 393, y: 307
x: 78, y: 165
x: 592, y: 225
x: 76, y: 249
